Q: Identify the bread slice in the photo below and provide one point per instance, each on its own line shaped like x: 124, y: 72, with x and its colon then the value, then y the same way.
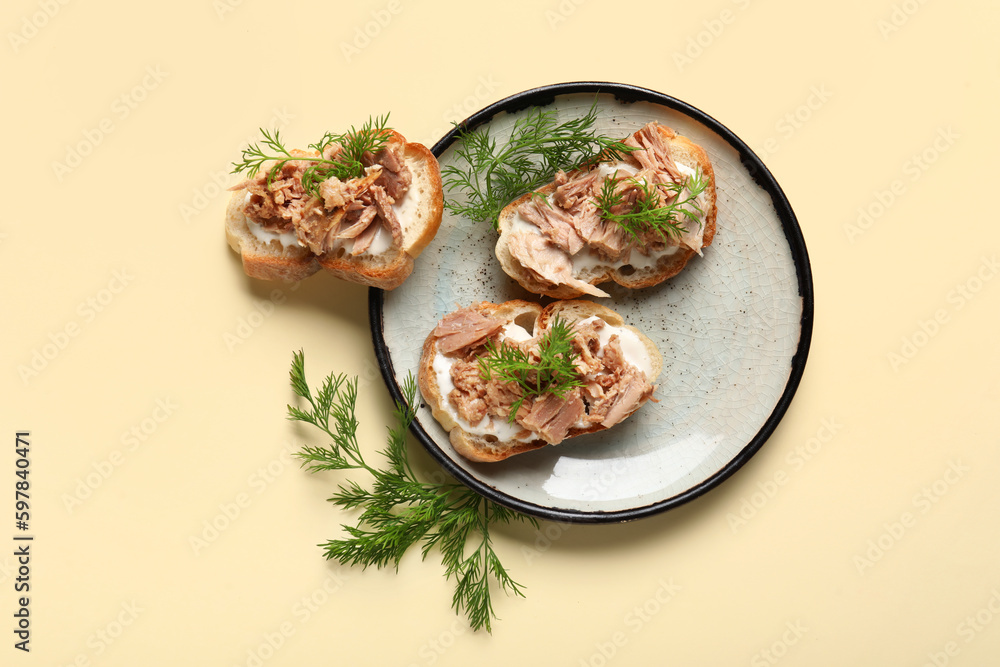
x: 266, y: 260
x: 271, y: 260
x: 684, y: 152
x: 495, y: 440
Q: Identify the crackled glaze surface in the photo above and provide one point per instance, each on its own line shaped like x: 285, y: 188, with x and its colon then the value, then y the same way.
x: 728, y: 327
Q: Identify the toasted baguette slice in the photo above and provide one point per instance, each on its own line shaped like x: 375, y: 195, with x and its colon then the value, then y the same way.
x: 270, y: 260
x: 496, y: 440
x: 266, y: 260
x: 684, y: 152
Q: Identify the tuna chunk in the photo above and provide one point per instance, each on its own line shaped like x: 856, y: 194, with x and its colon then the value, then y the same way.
x: 316, y: 230
x: 555, y: 224
x: 469, y: 392
x: 364, y: 240
x: 356, y: 222
x: 653, y: 154
x: 464, y: 328
x: 383, y: 202
x: 396, y: 177
x: 632, y: 391
x: 552, y: 417
x: 319, y: 222
x: 611, y: 387
x: 547, y: 262
x: 576, y: 189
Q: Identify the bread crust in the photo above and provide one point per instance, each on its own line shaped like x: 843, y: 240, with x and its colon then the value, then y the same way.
x: 683, y: 151
x: 388, y: 270
x: 489, y: 449
x: 268, y: 261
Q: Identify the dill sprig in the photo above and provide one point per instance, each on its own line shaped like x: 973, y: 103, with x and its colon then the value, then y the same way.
x: 491, y: 175
x: 649, y: 211
x: 555, y: 371
x: 346, y: 164
x: 399, y: 510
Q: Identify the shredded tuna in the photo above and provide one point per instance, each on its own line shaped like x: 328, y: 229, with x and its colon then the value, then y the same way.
x: 547, y: 262
x: 345, y: 210
x: 587, y: 345
x: 396, y: 177
x: 501, y: 396
x: 586, y: 219
x: 572, y: 208
x: 364, y: 240
x: 383, y: 202
x: 464, y: 328
x: 552, y: 417
x: 356, y: 222
x: 317, y: 231
x: 469, y: 392
x: 335, y: 193
x: 633, y: 390
x: 275, y: 207
x: 555, y: 224
x: 653, y: 154
x: 580, y: 188
x: 611, y: 242
x: 612, y: 388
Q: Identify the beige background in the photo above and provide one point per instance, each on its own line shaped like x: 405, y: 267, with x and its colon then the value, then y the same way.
x: 153, y: 375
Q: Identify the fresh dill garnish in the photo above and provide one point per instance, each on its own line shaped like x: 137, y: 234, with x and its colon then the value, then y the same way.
x: 649, y: 211
x: 346, y: 164
x: 399, y: 510
x: 555, y: 371
x: 491, y: 175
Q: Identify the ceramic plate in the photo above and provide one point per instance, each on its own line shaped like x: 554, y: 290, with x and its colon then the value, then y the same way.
x: 733, y: 327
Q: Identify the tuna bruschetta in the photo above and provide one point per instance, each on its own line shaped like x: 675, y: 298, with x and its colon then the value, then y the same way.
x: 287, y: 224
x: 636, y: 221
x: 490, y: 418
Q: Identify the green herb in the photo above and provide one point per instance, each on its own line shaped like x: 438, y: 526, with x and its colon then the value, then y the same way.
x: 554, y: 373
x: 399, y: 510
x: 346, y: 164
x: 649, y: 211
x: 492, y: 176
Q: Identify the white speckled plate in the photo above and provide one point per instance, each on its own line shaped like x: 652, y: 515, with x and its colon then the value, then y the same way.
x: 733, y: 327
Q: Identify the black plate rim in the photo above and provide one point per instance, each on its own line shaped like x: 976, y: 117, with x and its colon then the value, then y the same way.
x: 543, y: 96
